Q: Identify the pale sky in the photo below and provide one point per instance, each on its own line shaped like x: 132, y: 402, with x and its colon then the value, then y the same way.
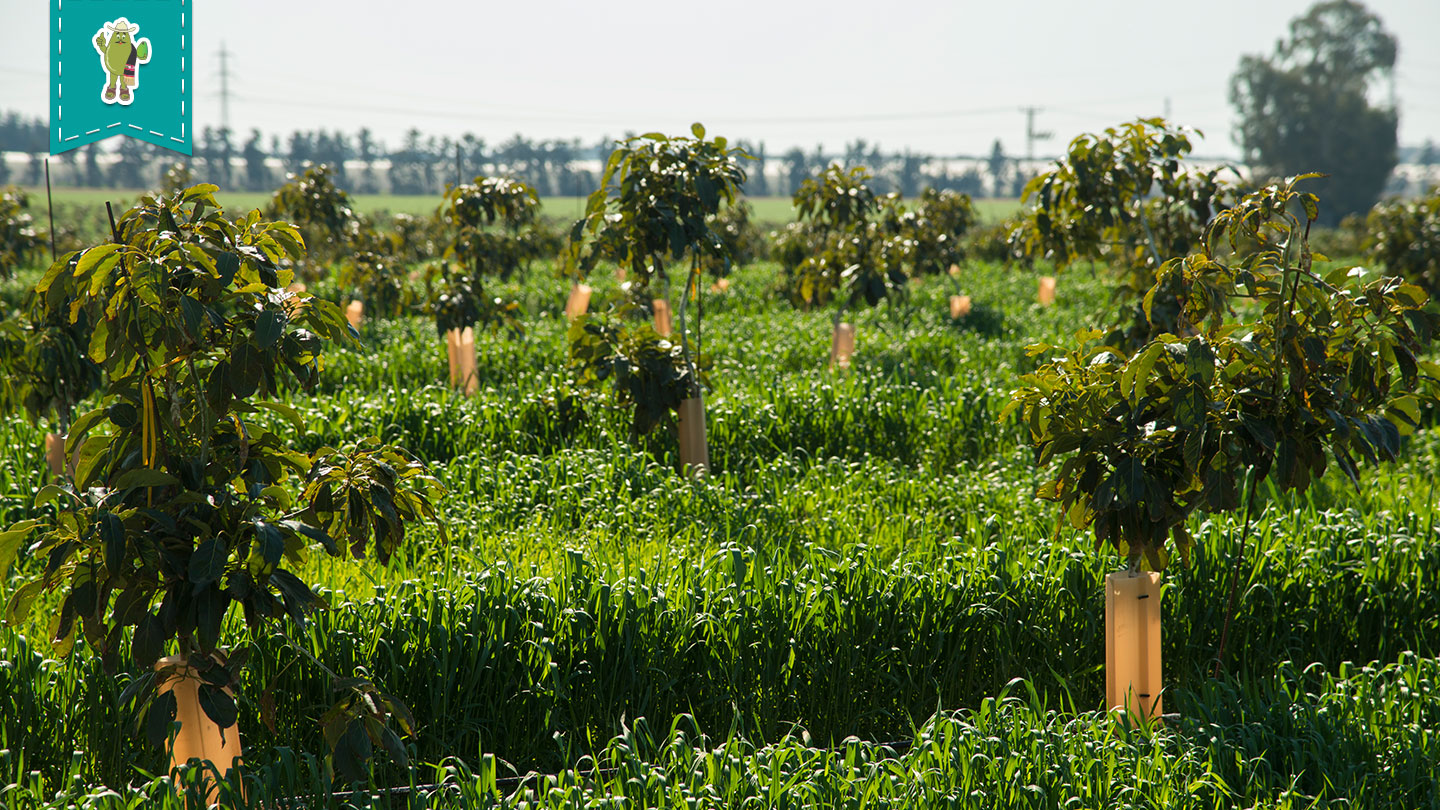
x: 934, y: 76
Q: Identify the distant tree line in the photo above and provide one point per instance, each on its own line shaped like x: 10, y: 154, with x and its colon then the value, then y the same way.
x: 425, y: 164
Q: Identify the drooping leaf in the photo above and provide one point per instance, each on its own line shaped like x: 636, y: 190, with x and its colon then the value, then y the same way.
x: 218, y: 706
x: 20, y: 601
x: 10, y: 541
x: 207, y: 563
x: 148, y: 641
x: 158, y: 719
x: 112, y: 535
x: 269, y: 326
x: 353, y: 752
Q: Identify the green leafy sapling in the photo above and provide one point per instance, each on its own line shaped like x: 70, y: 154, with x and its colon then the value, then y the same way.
x: 43, y: 356
x: 1404, y: 236
x: 646, y: 373
x: 1288, y: 372
x: 322, y: 212
x: 486, y: 221
x: 934, y: 230
x: 185, y: 502
x: 1125, y: 198
x: 657, y: 202
x: 20, y: 240
x: 835, y: 249
x: 371, y: 272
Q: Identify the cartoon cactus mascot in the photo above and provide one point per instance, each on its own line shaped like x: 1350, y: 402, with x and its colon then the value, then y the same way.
x: 120, y: 55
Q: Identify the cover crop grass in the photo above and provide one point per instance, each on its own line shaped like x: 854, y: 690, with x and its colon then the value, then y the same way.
x: 837, y: 617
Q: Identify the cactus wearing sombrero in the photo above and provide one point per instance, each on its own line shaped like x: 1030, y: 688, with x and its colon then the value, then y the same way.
x: 120, y: 55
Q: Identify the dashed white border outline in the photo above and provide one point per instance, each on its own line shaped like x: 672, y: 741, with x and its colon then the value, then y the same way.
x: 60, y: 84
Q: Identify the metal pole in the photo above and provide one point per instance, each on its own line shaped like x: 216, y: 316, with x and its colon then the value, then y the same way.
x: 114, y: 231
x: 50, y: 206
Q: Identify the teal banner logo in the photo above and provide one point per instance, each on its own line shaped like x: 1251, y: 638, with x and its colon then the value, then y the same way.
x: 120, y: 67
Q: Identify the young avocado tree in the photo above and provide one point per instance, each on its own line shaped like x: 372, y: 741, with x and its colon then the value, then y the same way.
x: 416, y: 238
x: 931, y: 240
x: 656, y: 202
x: 848, y: 245
x: 371, y: 271
x: 648, y: 374
x: 323, y: 213
x: 1124, y: 198
x: 20, y: 242
x: 933, y: 232
x: 186, y: 504
x: 45, y: 362
x: 833, y: 251
x: 1288, y: 371
x: 177, y: 177
x: 743, y: 241
x: 477, y: 250
x: 1405, y: 237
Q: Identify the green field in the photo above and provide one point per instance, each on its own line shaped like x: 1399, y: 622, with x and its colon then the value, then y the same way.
x: 863, y: 606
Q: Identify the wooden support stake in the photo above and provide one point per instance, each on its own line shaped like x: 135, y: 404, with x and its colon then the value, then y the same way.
x: 355, y: 314
x: 959, y: 306
x: 114, y: 231
x: 578, y: 302
x: 694, y: 452
x: 198, y: 737
x: 662, y: 317
x: 55, y: 453
x: 842, y: 345
x: 1132, y: 643
x: 1047, y: 290
x: 468, y: 376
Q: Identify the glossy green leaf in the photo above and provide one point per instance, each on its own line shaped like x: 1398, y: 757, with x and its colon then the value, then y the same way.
x: 207, y: 563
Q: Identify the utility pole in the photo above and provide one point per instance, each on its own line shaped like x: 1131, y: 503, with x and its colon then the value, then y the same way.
x: 1031, y: 134
x: 224, y: 87
x: 1167, y: 108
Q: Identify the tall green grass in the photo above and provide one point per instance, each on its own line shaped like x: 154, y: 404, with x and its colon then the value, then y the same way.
x: 866, y: 553
x: 1296, y: 737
